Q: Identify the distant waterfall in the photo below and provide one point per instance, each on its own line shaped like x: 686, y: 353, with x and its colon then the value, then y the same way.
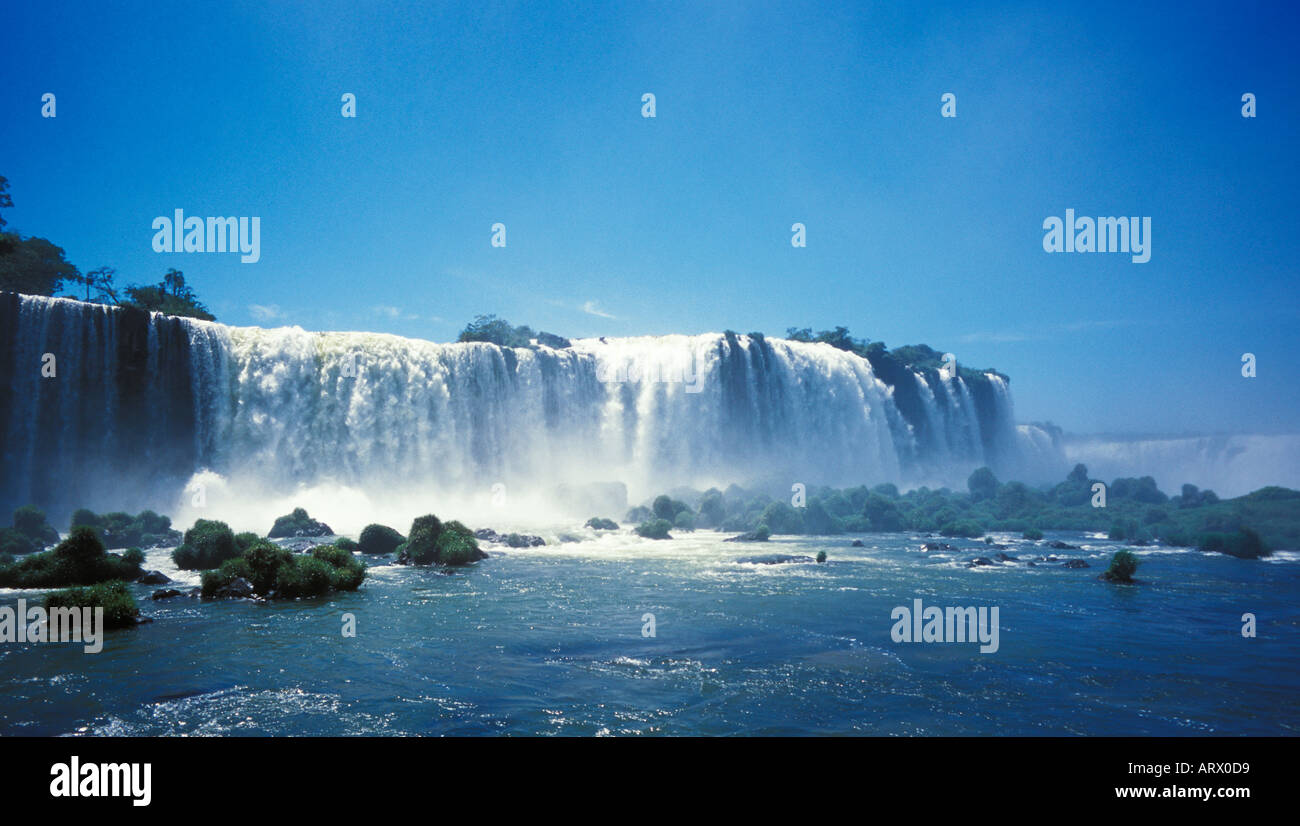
x: 138, y: 403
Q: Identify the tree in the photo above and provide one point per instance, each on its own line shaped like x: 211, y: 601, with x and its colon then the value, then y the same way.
x: 101, y: 281
x: 34, y: 266
x: 6, y: 202
x: 982, y: 484
x: 171, y: 296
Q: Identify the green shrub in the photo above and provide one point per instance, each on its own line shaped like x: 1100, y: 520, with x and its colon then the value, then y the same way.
x: 685, y: 521
x: 422, y: 542
x: 263, y: 560
x: 1122, y: 566
x: 133, y: 556
x: 821, y: 556
x: 963, y: 528
x: 206, y: 545
x: 1032, y: 533
x: 347, y: 545
x: 78, y: 560
x: 601, y: 524
x: 1244, y: 544
x: 13, y: 543
x: 379, y: 539
x: 29, y: 521
x: 120, y: 610
x: 347, y: 573
x: 306, y: 577
x: 245, y: 540
x: 456, y: 548
x: 654, y: 529
x: 84, y: 516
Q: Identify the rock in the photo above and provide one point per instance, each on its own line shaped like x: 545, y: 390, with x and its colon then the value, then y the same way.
x: 301, y: 545
x: 1001, y: 557
x: 1076, y: 563
x: 154, y: 578
x: 1062, y: 546
x: 752, y: 536
x: 979, y: 562
x: 513, y: 540
x: 165, y: 593
x: 857, y: 543
x: 937, y: 546
x: 298, y: 524
x: 775, y: 559
x: 997, y: 545
x: 601, y: 524
x: 1107, y: 576
x: 238, y: 588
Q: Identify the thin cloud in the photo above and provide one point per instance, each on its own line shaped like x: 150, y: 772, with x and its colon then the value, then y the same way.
x: 265, y: 312
x: 1013, y: 336
x: 592, y: 308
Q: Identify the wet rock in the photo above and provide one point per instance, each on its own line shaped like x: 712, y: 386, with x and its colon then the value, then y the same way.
x: 775, y: 559
x: 154, y: 578
x: 760, y: 535
x: 1076, y: 563
x: 165, y: 593
x: 1058, y: 545
x: 937, y: 546
x: 238, y: 588
x: 1001, y: 557
x: 512, y: 540
x: 979, y: 562
x: 857, y: 543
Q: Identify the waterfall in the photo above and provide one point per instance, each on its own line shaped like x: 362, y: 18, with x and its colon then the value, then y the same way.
x: 140, y: 403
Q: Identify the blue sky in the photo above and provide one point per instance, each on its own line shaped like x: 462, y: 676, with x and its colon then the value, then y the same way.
x: 920, y: 228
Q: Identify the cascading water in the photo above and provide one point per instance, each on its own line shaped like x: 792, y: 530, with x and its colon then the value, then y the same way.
x: 138, y: 404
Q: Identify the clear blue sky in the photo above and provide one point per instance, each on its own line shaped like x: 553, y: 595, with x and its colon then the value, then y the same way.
x: 920, y: 228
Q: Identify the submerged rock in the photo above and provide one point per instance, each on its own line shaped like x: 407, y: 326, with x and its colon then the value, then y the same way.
x: 775, y: 559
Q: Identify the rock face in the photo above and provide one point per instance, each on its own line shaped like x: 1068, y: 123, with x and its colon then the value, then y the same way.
x: 154, y: 578
x: 1076, y: 563
x: 511, y: 540
x: 775, y: 559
